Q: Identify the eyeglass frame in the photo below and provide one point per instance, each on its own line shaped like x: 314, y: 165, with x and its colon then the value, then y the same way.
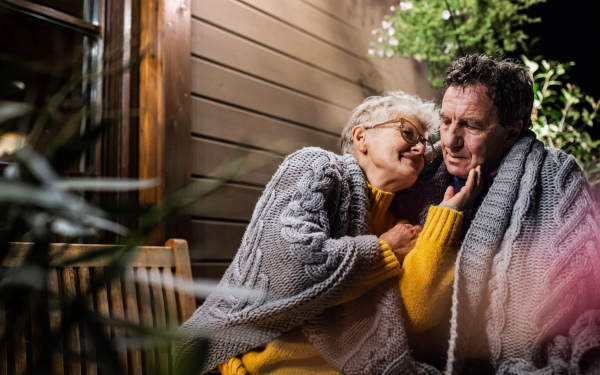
x: 420, y: 138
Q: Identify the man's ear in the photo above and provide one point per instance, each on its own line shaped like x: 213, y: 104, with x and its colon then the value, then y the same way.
x: 513, y: 134
x: 359, y: 138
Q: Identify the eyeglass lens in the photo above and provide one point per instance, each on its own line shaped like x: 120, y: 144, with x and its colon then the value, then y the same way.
x: 412, y: 136
x: 410, y: 133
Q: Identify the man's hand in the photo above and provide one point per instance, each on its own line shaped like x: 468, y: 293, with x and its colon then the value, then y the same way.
x: 402, y: 239
x: 467, y: 195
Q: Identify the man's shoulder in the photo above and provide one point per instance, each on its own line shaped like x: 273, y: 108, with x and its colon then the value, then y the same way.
x: 562, y: 176
x: 560, y: 164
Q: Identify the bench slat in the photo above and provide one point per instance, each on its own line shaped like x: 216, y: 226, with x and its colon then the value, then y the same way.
x: 102, y: 300
x: 183, y: 271
x: 145, y: 305
x: 131, y: 308
x: 159, y: 316
x: 70, y: 293
x: 170, y: 299
x: 116, y: 307
x: 55, y: 324
x: 19, y: 346
x: 88, y: 346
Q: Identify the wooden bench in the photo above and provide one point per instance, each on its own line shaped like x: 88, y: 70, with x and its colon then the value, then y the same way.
x: 143, y: 293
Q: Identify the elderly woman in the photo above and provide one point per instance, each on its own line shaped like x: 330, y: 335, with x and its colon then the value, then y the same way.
x: 325, y: 255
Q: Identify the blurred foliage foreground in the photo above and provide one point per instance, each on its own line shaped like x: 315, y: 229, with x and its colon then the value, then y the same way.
x: 41, y: 207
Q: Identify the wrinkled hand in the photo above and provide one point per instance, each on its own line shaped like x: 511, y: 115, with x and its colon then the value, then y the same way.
x: 402, y: 239
x: 467, y: 195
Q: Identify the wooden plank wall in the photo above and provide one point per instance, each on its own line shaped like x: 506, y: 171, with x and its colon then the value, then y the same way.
x: 268, y: 78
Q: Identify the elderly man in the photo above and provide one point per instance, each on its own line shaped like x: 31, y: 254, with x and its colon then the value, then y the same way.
x: 526, y: 290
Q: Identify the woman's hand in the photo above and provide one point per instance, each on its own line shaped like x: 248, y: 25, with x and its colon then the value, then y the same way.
x: 467, y: 195
x: 401, y: 239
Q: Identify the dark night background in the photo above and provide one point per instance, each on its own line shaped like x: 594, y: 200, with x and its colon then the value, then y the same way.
x: 570, y: 31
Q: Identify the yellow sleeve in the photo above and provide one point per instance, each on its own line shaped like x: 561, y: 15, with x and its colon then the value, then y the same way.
x: 234, y: 366
x: 386, y: 266
x: 426, y: 285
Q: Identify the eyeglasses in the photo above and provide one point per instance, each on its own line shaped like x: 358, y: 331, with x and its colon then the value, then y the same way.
x: 411, y: 135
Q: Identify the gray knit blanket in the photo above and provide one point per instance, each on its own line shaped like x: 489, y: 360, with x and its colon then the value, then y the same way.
x: 307, y: 244
x: 527, y: 282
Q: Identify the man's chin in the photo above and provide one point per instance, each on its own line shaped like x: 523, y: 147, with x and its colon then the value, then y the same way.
x: 462, y: 172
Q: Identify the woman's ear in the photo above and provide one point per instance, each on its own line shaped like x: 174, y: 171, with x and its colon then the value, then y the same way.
x: 359, y: 138
x: 513, y: 134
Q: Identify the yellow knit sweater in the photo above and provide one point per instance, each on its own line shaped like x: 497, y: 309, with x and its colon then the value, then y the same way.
x: 425, y: 287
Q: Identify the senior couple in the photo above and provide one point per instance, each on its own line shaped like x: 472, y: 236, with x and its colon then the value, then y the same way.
x: 503, y: 277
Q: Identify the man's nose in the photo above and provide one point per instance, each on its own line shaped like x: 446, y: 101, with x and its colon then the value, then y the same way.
x: 452, y: 136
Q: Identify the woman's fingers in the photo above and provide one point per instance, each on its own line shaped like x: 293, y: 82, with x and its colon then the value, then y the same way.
x: 473, y: 184
x: 448, y: 194
x: 464, y: 199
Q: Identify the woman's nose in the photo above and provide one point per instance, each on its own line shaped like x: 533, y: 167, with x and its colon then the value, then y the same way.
x: 418, y: 148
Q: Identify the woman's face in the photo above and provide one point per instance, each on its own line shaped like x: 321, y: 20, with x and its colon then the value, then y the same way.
x: 389, y: 162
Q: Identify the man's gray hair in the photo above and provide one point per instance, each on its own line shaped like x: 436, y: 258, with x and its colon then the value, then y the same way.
x: 507, y: 82
x: 389, y: 105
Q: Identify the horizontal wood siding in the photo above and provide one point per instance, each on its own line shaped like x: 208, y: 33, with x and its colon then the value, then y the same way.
x: 232, y: 124
x: 269, y: 77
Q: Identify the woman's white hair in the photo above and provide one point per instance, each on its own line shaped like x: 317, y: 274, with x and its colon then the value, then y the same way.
x: 389, y: 105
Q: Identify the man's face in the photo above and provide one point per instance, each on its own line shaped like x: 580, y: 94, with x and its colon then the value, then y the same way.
x: 471, y: 134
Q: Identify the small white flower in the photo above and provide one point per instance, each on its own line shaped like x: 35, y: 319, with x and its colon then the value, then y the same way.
x: 389, y: 53
x: 446, y: 14
x: 449, y: 47
x: 417, y: 57
x: 373, y: 32
x: 392, y: 8
x: 457, y: 12
x: 545, y: 130
x: 385, y: 24
x: 371, y: 51
x: 380, y: 53
x: 418, y: 39
x: 393, y: 42
x: 408, y: 5
x: 391, y: 31
x: 425, y: 5
x: 380, y: 39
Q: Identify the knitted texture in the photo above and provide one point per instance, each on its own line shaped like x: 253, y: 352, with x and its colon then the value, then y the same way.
x: 306, y: 246
x: 528, y: 270
x: 429, y: 290
x: 290, y: 354
x: 385, y: 267
x: 426, y: 285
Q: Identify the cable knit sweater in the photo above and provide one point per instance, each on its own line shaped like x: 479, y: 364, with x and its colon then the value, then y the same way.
x: 526, y: 290
x: 426, y: 287
x: 306, y: 246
